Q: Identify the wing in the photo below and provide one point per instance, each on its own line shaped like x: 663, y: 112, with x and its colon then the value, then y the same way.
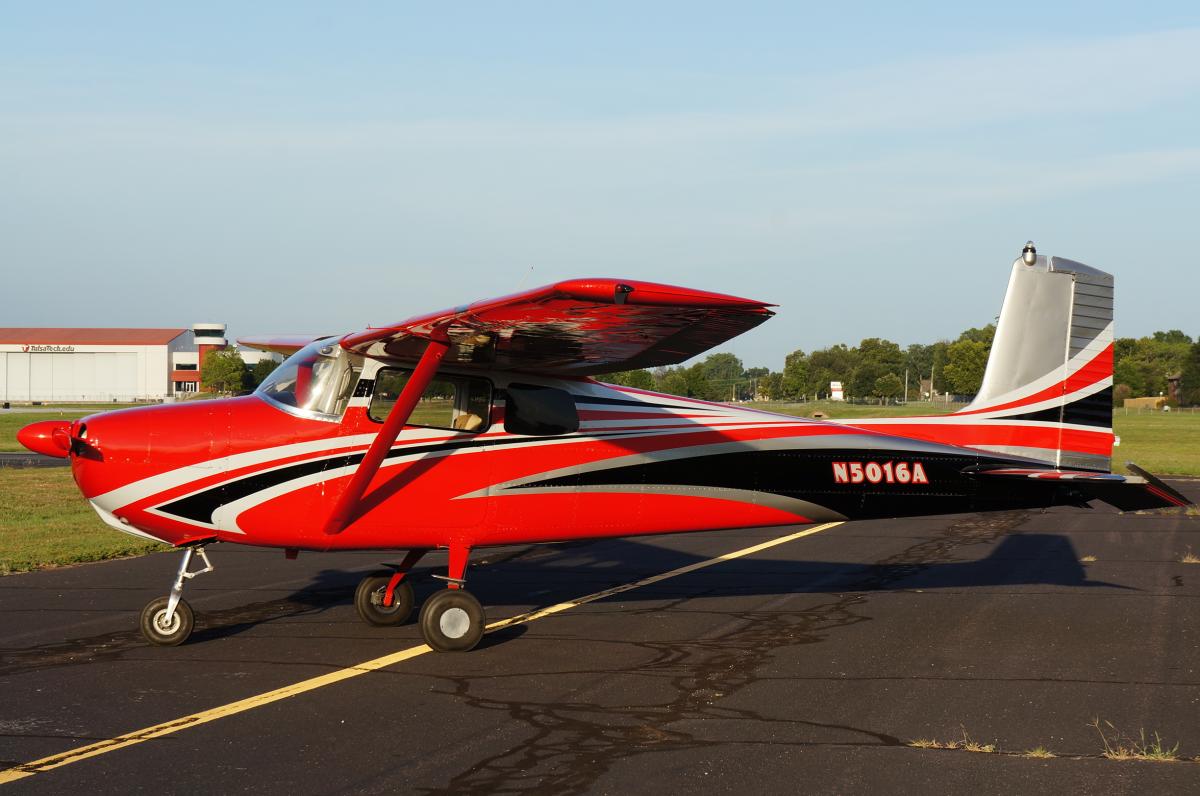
x: 575, y: 328
x: 283, y: 344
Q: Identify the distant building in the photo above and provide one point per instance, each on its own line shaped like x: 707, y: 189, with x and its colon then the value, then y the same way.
x: 1174, y: 387
x: 1152, y: 402
x: 93, y: 365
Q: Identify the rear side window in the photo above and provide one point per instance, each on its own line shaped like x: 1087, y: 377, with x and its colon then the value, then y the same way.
x: 457, y: 403
x: 539, y: 411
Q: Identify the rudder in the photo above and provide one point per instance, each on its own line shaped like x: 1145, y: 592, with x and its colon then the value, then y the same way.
x: 1049, y: 375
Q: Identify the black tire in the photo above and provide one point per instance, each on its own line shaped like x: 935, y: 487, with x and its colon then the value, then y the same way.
x: 378, y: 614
x: 172, y: 634
x: 452, y: 621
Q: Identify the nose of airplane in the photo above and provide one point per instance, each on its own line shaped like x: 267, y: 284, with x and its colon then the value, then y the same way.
x: 49, y: 437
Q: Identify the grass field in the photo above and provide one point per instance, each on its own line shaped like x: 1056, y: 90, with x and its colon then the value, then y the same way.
x: 1164, y: 444
x: 841, y: 409
x: 44, y: 521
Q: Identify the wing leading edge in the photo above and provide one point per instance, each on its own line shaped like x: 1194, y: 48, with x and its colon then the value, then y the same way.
x: 579, y: 327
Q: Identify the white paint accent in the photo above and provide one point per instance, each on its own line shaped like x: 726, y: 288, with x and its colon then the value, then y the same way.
x: 1047, y: 381
x: 113, y: 522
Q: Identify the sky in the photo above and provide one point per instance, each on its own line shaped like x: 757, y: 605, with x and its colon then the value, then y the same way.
x: 871, y: 168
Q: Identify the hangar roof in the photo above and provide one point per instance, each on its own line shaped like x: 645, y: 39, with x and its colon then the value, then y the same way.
x: 42, y: 336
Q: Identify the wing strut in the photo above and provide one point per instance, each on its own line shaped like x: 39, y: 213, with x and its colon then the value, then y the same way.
x: 343, y: 511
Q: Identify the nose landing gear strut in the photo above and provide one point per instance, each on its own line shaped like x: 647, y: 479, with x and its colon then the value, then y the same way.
x: 168, y: 621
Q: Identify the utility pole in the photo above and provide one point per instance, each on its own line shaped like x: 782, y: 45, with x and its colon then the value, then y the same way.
x: 906, y: 385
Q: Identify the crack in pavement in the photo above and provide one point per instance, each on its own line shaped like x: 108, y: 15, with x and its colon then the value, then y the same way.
x: 575, y: 742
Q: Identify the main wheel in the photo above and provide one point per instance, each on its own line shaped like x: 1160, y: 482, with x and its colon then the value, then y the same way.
x: 452, y: 621
x: 368, y: 599
x: 157, y: 629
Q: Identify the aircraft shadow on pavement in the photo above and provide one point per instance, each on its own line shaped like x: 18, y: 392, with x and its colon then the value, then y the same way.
x: 575, y: 569
x: 1028, y: 559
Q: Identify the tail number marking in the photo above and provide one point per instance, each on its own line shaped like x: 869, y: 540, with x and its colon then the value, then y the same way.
x: 879, y: 472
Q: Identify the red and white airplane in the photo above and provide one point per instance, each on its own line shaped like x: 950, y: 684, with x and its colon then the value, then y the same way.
x: 480, y: 425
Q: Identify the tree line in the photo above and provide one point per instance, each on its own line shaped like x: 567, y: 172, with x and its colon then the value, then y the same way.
x: 875, y: 371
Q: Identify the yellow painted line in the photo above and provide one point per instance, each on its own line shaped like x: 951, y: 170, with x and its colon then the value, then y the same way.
x: 242, y: 705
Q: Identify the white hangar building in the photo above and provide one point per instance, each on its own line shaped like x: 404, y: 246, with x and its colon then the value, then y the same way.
x: 125, y: 365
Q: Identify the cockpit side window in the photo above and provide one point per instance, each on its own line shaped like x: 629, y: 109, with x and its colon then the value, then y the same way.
x: 318, y: 379
x: 457, y: 403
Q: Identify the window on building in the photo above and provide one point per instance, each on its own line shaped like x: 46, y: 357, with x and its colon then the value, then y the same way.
x: 207, y: 333
x: 458, y: 403
x: 187, y: 366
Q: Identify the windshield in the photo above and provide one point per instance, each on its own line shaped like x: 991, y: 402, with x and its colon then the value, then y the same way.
x: 318, y: 378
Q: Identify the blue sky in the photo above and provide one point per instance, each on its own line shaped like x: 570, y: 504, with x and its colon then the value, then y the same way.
x: 873, y: 169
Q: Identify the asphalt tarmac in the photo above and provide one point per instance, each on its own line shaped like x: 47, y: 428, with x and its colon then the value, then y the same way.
x: 809, y: 666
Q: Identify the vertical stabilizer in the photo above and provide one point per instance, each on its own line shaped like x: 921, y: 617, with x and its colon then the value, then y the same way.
x: 1049, y: 375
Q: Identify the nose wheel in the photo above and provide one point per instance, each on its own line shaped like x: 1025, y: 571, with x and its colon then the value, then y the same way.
x: 168, y: 621
x: 167, y: 629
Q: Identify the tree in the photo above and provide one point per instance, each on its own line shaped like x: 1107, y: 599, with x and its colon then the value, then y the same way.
x: 836, y: 363
x: 881, y: 352
x: 965, y: 363
x: 937, y: 365
x: 223, y: 370
x: 862, y: 380
x: 794, y: 379
x: 888, y: 386
x: 876, y: 357
x: 1189, y: 383
x: 673, y: 381
x: 918, y: 361
x: 771, y: 385
x: 262, y: 368
x: 1145, y: 363
x: 1172, y: 337
x: 984, y: 335
x: 721, y: 374
x: 638, y: 379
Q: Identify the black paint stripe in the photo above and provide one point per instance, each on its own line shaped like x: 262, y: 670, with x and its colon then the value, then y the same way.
x: 591, y: 399
x: 200, y: 506
x: 1091, y: 410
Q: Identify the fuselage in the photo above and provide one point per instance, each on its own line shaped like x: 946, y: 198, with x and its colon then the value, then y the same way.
x: 253, y: 470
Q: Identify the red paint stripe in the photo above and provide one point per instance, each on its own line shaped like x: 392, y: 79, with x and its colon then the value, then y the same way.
x: 1097, y: 369
x: 1167, y: 496
x: 973, y: 435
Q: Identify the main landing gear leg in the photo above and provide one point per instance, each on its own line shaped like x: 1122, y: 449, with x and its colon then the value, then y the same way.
x: 168, y: 621
x: 386, y: 598
x: 452, y: 620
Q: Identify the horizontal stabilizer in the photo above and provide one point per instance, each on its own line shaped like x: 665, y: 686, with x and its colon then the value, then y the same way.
x: 1137, y: 492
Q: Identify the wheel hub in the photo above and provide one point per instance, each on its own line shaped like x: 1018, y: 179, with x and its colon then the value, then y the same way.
x: 164, y: 625
x: 454, y: 623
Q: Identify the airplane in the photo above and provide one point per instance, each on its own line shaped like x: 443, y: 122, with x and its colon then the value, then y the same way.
x: 481, y: 426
